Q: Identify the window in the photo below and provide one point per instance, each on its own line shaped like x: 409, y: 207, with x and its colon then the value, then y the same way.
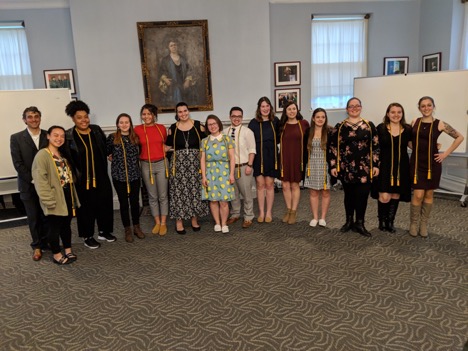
x: 339, y: 54
x: 464, y: 45
x: 15, y: 68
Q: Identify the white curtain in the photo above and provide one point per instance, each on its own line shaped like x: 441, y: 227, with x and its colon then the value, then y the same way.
x: 15, y: 68
x: 464, y: 46
x: 339, y: 54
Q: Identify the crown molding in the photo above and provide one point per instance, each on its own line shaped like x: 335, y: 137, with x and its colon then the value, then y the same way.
x: 33, y: 4
x: 328, y: 1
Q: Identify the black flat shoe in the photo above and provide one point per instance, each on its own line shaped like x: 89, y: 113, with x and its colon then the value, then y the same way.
x: 359, y: 228
x: 181, y: 232
x: 71, y: 257
x: 196, y: 229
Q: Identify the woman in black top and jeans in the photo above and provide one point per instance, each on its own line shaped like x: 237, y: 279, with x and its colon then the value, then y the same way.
x: 123, y: 151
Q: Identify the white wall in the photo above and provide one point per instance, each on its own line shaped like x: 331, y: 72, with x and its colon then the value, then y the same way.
x: 108, y: 57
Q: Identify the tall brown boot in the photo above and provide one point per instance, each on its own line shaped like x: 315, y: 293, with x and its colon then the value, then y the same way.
x: 292, y: 217
x: 286, y: 216
x: 128, y: 235
x: 138, y: 232
x: 415, y: 214
x: 425, y: 213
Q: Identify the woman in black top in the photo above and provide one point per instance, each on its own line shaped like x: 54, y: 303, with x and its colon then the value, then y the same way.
x: 184, y: 172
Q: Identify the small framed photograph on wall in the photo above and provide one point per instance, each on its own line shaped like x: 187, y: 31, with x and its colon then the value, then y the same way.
x: 287, y: 73
x: 432, y: 62
x: 395, y: 65
x: 63, y: 78
x: 283, y: 96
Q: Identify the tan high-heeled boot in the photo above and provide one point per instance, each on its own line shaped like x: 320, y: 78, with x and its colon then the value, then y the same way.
x: 292, y: 217
x: 425, y: 213
x: 286, y: 216
x: 415, y: 214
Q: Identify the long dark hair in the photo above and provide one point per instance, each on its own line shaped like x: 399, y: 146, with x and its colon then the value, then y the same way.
x: 284, y: 116
x: 258, y: 114
x: 118, y: 134
x: 179, y: 104
x: 386, y: 119
x: 325, y: 129
x: 151, y: 108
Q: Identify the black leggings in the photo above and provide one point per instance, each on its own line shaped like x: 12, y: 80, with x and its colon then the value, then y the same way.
x: 59, y: 227
x: 124, y: 199
x: 355, y: 199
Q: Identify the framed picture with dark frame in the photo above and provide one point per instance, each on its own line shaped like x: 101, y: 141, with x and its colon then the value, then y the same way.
x: 175, y: 63
x: 283, y: 96
x: 287, y: 73
x: 432, y: 62
x: 395, y: 65
x: 60, y: 78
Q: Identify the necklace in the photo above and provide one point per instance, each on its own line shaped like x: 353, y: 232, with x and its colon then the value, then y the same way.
x: 354, y: 125
x: 186, y: 139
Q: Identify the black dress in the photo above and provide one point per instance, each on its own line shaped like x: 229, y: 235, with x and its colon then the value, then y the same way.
x: 394, y: 163
x: 266, y: 162
x: 428, y: 170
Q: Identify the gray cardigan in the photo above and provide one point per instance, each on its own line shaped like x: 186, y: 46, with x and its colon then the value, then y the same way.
x: 48, y: 187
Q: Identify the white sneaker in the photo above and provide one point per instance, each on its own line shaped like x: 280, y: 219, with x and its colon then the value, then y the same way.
x: 225, y: 229
x: 313, y: 223
x: 217, y: 228
x: 322, y: 223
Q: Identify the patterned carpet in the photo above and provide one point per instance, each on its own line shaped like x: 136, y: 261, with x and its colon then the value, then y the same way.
x: 272, y: 287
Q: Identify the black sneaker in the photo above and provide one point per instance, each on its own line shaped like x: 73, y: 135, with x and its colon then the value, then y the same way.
x: 107, y: 237
x: 91, y: 243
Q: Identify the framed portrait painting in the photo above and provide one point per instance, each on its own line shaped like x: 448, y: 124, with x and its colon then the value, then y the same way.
x: 62, y: 78
x: 432, y: 62
x: 287, y: 73
x: 395, y: 65
x: 283, y: 96
x: 175, y: 64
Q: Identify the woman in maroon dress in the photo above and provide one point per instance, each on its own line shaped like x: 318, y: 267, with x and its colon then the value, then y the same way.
x: 426, y: 163
x: 293, y: 128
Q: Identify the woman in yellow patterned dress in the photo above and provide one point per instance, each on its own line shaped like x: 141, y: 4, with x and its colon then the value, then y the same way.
x: 217, y: 166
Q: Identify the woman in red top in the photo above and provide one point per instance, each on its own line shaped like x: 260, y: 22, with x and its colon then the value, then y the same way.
x: 154, y: 166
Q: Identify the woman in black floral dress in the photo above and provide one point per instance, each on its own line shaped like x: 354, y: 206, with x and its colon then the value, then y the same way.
x: 185, y: 200
x: 354, y: 159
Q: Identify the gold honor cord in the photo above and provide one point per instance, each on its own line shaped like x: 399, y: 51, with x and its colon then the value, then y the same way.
x: 261, y: 147
x: 399, y: 157
x: 205, y: 148
x: 70, y: 178
x: 238, y: 150
x: 281, y: 147
x: 87, y: 161
x: 429, y: 175
x: 125, y: 163
x: 174, y: 145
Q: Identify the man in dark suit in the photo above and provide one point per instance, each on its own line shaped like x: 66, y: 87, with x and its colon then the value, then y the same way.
x: 23, y: 147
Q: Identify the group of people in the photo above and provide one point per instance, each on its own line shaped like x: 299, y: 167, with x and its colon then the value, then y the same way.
x: 192, y: 169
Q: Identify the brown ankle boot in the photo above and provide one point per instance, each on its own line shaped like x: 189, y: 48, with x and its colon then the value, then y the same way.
x: 292, y: 217
x: 425, y: 213
x: 286, y: 216
x: 138, y: 232
x: 415, y: 214
x: 128, y: 235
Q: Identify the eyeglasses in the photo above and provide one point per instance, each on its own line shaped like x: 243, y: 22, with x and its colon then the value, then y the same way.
x: 236, y: 116
x: 212, y: 124
x: 354, y: 106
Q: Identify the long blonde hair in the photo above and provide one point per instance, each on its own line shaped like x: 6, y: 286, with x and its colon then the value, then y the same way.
x: 325, y: 129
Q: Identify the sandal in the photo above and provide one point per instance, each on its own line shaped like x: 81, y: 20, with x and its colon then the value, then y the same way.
x: 71, y: 256
x: 64, y: 260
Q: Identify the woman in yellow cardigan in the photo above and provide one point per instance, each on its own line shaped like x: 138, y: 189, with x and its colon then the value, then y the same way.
x: 53, y: 180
